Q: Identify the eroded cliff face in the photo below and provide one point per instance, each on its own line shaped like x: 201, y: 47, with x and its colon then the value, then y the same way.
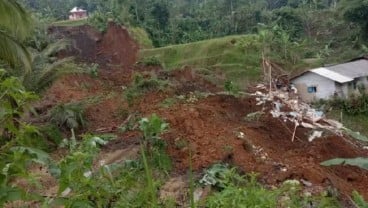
x: 115, y: 47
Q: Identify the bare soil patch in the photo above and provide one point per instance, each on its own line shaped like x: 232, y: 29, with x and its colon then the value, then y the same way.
x: 209, y: 127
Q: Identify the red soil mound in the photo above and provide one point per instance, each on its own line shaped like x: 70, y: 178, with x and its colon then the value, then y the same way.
x: 117, y: 47
x: 113, y: 48
x: 209, y: 126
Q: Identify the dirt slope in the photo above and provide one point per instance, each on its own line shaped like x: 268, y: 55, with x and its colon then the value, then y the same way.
x: 113, y: 48
x: 207, y: 125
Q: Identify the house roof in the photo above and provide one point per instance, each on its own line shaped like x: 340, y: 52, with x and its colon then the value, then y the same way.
x: 342, y: 73
x: 76, y: 9
x: 330, y: 74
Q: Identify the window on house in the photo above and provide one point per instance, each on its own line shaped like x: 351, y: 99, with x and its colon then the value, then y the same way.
x: 312, y: 89
x: 354, y: 85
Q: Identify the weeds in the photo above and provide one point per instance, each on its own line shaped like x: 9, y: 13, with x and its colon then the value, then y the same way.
x: 231, y: 88
x: 238, y: 191
x: 191, y: 182
x: 168, y: 102
x: 152, y: 127
x: 93, y: 70
x: 142, y: 85
x: 359, y: 200
x: 150, y: 61
x: 69, y: 116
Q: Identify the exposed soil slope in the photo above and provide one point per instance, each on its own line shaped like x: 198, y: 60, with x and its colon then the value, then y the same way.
x: 114, y: 47
x: 207, y: 125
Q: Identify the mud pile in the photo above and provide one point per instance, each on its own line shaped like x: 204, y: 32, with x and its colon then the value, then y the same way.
x: 113, y: 48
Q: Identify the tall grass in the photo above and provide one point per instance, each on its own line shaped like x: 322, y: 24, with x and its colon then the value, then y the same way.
x: 239, y: 57
x: 150, y: 181
x: 191, y: 181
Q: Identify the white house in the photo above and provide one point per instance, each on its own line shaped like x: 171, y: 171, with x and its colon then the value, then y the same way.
x: 338, y: 80
x: 77, y: 13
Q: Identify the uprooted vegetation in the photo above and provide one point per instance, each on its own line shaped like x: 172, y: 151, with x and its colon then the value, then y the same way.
x: 151, y: 137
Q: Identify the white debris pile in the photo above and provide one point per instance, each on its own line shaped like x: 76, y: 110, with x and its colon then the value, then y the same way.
x: 297, y: 112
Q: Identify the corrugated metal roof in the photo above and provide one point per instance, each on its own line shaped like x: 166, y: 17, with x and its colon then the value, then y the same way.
x: 76, y: 9
x: 354, y: 69
x: 342, y: 73
x: 328, y: 73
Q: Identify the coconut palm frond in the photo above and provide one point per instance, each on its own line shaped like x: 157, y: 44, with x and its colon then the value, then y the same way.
x: 12, y: 52
x: 53, y: 48
x: 15, y: 19
x: 43, y: 75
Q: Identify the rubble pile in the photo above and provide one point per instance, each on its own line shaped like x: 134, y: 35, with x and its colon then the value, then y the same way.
x: 288, y: 108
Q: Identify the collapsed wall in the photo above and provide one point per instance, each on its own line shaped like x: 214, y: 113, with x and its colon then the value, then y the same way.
x: 115, y: 47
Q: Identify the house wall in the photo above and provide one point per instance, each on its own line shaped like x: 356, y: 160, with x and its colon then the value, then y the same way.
x: 325, y: 87
x: 77, y: 15
x: 349, y: 87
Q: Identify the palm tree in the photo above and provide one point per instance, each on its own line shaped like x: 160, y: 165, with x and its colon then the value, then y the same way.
x: 15, y: 25
x: 46, y: 67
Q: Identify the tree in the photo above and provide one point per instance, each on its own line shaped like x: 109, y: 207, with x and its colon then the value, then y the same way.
x: 356, y: 11
x: 15, y: 26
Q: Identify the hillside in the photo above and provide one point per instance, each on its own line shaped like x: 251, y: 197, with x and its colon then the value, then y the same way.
x: 238, y: 57
x: 192, y: 125
x: 91, y: 115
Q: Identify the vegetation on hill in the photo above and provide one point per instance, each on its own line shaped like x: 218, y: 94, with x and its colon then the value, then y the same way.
x: 239, y: 57
x: 226, y: 37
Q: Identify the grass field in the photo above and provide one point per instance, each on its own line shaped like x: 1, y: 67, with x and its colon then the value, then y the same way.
x: 357, y: 123
x: 239, y: 57
x: 70, y: 23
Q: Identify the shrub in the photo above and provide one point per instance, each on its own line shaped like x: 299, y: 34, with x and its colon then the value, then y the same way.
x: 142, y: 85
x: 231, y: 87
x: 238, y: 191
x: 69, y: 115
x: 151, y: 61
x: 152, y: 128
x: 354, y: 105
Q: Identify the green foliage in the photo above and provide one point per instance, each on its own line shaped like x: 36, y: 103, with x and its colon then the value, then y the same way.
x: 239, y: 191
x: 15, y: 26
x: 152, y: 128
x: 142, y: 85
x: 220, y: 176
x: 140, y: 36
x: 14, y: 164
x: 70, y: 115
x: 231, y: 88
x: 18, y: 140
x: 355, y: 105
x: 46, y: 67
x: 81, y: 183
x: 14, y: 100
x: 356, y: 124
x: 359, y: 200
x: 289, y: 20
x: 99, y: 21
x: 52, y: 134
x: 356, y: 11
x: 93, y: 70
x: 70, y: 23
x: 237, y: 56
x: 151, y: 61
x: 168, y: 102
x: 359, y: 162
x: 149, y: 177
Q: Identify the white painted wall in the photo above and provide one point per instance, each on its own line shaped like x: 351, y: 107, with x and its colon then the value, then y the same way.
x: 325, y: 87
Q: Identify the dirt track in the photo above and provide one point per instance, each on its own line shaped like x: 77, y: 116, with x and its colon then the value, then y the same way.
x: 209, y: 126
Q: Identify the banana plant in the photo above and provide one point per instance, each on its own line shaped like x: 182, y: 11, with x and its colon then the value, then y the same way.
x: 152, y: 127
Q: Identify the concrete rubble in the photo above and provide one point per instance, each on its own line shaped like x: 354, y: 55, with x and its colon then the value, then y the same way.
x: 288, y: 108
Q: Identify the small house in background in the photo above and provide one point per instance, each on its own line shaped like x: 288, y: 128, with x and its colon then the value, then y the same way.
x: 340, y: 80
x: 77, y: 13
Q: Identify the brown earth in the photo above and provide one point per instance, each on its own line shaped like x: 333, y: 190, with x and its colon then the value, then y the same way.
x: 114, y: 48
x: 209, y: 125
